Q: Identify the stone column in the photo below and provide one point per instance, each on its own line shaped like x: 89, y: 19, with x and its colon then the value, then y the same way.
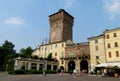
x: 66, y: 65
x: 52, y: 66
x: 38, y: 66
x: 77, y: 64
x: 29, y: 65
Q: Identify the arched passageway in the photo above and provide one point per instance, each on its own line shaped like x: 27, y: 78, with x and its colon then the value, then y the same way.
x: 84, y: 65
x: 71, y: 65
x: 61, y: 68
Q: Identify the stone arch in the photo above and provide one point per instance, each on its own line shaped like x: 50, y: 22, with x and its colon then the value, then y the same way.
x: 71, y: 65
x: 84, y: 65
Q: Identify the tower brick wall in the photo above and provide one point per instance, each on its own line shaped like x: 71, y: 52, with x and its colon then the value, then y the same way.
x: 61, y: 24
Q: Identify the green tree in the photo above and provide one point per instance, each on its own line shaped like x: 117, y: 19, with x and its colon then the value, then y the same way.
x: 49, y: 57
x: 26, y: 52
x: 6, y: 50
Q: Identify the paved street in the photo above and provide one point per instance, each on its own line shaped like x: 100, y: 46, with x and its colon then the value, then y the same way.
x: 54, y: 77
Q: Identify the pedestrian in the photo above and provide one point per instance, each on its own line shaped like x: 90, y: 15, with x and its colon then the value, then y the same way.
x: 61, y: 73
x: 44, y: 73
x: 103, y: 74
x: 74, y: 73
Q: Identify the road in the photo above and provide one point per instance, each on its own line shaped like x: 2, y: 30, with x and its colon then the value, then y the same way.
x: 54, y: 77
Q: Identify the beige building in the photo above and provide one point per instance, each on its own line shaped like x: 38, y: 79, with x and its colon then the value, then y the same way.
x: 56, y: 49
x: 34, y: 64
x: 97, y: 50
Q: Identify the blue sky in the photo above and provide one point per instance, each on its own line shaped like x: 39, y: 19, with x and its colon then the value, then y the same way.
x: 26, y: 22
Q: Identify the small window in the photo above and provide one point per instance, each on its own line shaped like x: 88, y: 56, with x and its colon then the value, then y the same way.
x: 62, y: 62
x: 114, y: 35
x: 55, y: 54
x: 56, y: 46
x: 117, y: 53
x: 109, y: 54
x: 109, y: 45
x: 96, y: 48
x: 62, y: 44
x: 97, y: 57
x: 96, y: 41
x: 107, y: 36
x: 45, y: 48
x: 116, y: 44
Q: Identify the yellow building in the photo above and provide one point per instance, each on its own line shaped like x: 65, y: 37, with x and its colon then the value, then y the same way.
x: 112, y: 45
x: 105, y: 49
x: 97, y: 50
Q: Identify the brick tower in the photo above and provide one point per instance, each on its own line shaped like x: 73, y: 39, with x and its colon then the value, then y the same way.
x: 61, y: 24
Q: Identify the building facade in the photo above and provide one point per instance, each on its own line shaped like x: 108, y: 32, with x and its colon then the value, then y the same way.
x: 77, y: 56
x: 97, y: 50
x: 69, y: 55
x: 34, y: 64
x: 112, y: 45
x: 61, y: 45
x: 105, y: 48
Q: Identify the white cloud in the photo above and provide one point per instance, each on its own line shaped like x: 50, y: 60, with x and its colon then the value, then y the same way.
x: 15, y: 21
x: 112, y: 7
x: 68, y: 3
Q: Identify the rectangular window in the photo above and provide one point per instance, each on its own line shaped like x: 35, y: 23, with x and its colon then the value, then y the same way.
x: 55, y: 45
x: 108, y: 45
x: 114, y: 35
x: 107, y: 36
x: 116, y: 44
x: 55, y: 54
x: 117, y: 53
x: 96, y: 48
x: 62, y: 44
x: 96, y: 41
x: 109, y: 54
x: 62, y: 62
x: 97, y: 57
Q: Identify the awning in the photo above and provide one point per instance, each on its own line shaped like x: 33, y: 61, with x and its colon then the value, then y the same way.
x: 108, y: 65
